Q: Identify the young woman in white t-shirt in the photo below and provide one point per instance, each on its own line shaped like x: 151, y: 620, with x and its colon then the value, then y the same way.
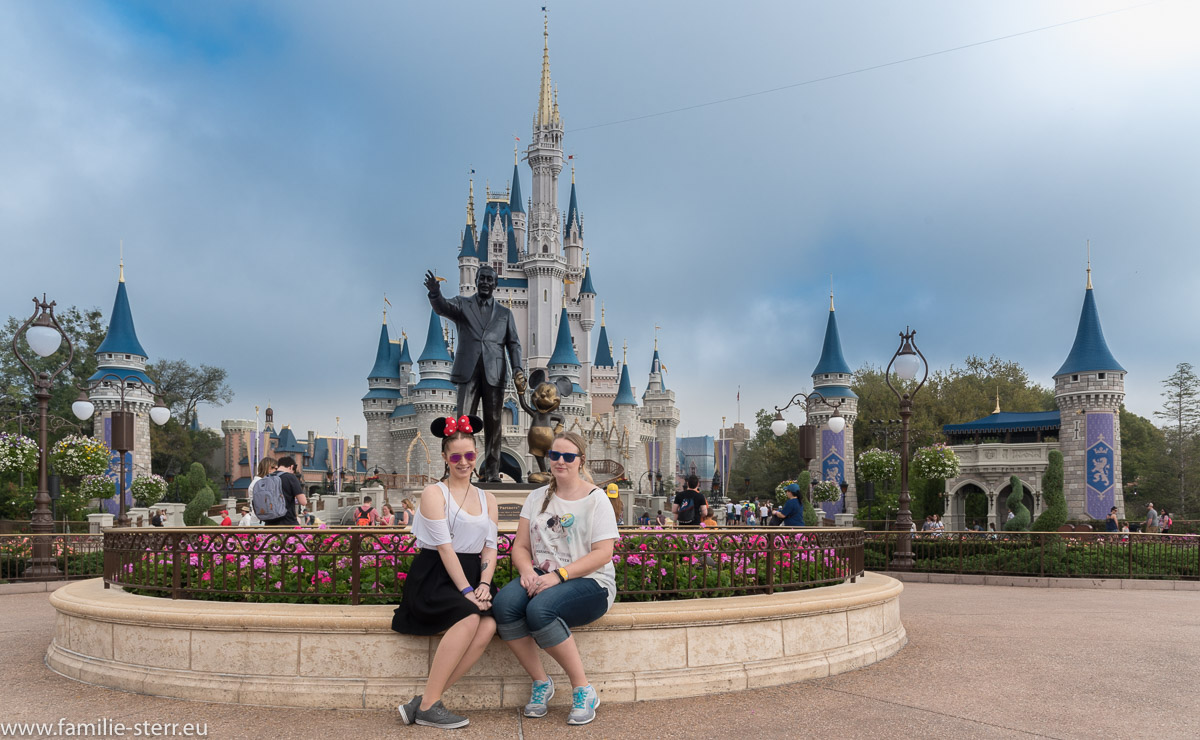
x: 563, y: 551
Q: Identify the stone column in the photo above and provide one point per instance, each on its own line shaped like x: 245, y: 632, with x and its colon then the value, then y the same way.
x: 99, y: 522
x: 993, y: 518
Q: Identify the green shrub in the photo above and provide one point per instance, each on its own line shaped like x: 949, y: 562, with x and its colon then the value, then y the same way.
x: 1020, y: 520
x: 195, y: 514
x: 1055, y: 514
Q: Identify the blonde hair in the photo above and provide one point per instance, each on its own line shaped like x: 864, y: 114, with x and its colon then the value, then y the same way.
x: 580, y: 445
x: 265, y: 466
x: 408, y: 504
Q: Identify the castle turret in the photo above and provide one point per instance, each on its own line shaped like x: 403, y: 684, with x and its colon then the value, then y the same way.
x: 603, y: 376
x: 1089, y: 389
x: 659, y: 410
x: 468, y: 258
x: 573, y: 233
x: 835, y: 451
x: 385, y: 388
x: 517, y: 209
x: 122, y: 355
x: 544, y: 265
x: 587, y: 320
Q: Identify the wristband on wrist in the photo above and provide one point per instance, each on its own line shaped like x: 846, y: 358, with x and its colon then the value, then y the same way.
x: 467, y: 590
x: 562, y: 575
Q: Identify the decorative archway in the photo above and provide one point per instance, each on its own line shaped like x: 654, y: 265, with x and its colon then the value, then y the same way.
x: 408, y: 458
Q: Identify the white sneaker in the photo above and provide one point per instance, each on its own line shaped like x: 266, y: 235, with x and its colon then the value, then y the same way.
x: 583, y: 706
x: 539, y: 697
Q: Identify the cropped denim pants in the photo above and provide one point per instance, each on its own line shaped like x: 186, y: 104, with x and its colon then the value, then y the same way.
x: 549, y: 615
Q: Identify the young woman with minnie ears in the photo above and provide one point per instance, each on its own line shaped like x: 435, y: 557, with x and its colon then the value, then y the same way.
x: 449, y: 585
x: 563, y: 550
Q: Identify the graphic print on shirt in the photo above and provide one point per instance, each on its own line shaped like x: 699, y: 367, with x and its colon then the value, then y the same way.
x: 552, y: 531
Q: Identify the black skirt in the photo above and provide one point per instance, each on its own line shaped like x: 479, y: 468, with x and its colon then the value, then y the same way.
x: 431, y: 603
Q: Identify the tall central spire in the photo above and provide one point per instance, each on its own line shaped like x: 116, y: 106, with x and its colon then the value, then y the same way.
x: 546, y: 92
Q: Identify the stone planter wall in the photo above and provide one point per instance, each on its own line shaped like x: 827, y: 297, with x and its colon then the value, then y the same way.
x: 347, y: 657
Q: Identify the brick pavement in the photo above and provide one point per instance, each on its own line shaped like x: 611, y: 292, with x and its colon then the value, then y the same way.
x: 981, y: 662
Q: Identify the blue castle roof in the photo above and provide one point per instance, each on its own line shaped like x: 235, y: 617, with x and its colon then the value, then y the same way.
x: 1090, y: 351
x: 121, y: 338
x: 573, y: 214
x: 831, y: 360
x: 604, y: 356
x: 382, y: 393
x: 468, y: 244
x: 124, y: 373
x: 625, y: 392
x: 435, y: 342
x: 834, y: 391
x: 564, y: 349
x: 514, y: 198
x: 404, y: 410
x: 655, y: 363
x: 1007, y: 421
x: 402, y: 355
x: 513, y: 256
x: 587, y: 286
x: 288, y: 442
x: 385, y: 361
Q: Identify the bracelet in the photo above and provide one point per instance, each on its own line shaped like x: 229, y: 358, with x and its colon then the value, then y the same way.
x: 562, y: 575
x: 467, y: 590
x: 484, y: 583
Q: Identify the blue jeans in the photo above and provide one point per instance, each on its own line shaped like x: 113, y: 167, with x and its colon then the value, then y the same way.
x: 549, y: 615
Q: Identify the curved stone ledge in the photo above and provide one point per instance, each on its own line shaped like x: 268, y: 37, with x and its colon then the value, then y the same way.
x: 347, y: 657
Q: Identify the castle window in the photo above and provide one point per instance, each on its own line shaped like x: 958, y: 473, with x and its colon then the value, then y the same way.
x: 127, y: 357
x: 1074, y: 378
x: 1101, y: 376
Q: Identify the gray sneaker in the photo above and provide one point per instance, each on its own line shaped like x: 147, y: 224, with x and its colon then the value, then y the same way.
x: 583, y: 706
x: 439, y: 716
x: 408, y: 712
x: 542, y: 692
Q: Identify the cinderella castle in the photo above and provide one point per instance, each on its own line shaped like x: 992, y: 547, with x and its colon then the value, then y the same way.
x: 544, y: 277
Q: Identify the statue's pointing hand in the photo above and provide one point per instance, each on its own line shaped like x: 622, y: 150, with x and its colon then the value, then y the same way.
x: 431, y: 283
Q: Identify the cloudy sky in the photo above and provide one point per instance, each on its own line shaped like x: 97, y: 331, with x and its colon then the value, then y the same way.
x: 274, y: 167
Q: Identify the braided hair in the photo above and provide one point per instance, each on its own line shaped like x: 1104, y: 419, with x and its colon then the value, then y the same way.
x: 580, y: 445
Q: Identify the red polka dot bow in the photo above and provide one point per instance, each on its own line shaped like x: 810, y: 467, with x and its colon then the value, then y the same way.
x: 461, y: 424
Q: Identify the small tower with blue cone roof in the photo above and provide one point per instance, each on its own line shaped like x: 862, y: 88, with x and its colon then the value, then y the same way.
x: 1089, y: 389
x: 835, y: 451
x: 385, y: 389
x: 122, y: 354
x: 659, y: 410
x: 604, y: 375
x: 626, y: 418
x: 468, y: 258
x: 565, y: 363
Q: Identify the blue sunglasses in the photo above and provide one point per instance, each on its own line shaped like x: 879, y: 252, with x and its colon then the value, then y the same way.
x: 555, y: 456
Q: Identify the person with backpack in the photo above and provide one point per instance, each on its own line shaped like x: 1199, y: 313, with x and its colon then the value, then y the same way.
x: 275, y: 496
x: 365, y: 515
x: 689, y: 506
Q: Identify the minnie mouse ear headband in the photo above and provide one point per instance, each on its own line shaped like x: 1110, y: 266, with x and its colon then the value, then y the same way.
x: 442, y: 428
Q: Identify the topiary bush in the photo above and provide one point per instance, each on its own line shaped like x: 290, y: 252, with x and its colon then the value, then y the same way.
x: 1020, y: 520
x: 1055, y: 514
x: 195, y: 514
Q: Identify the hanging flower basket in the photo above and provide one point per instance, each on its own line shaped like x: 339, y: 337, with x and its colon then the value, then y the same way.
x: 149, y: 489
x: 826, y: 491
x: 97, y: 486
x: 935, y: 462
x: 878, y: 465
x: 78, y: 455
x: 18, y: 453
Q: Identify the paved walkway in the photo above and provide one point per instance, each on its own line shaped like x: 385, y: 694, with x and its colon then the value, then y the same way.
x: 982, y: 662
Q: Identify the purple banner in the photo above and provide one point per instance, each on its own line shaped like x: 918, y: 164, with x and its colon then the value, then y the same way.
x: 1100, y: 464
x: 833, y: 466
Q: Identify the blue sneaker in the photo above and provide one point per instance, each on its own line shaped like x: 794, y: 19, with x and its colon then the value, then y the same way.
x: 583, y: 707
x: 542, y: 692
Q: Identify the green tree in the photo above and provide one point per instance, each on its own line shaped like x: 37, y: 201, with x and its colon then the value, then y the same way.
x: 175, y: 447
x: 1181, y: 412
x: 766, y: 460
x: 183, y: 387
x: 1146, y: 465
x: 195, y: 514
x: 1055, y: 513
x: 190, y: 484
x: 1020, y: 520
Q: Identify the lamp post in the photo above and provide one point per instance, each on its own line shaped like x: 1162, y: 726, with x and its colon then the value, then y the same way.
x: 123, y: 441
x: 908, y: 361
x: 808, y: 433
x: 885, y: 429
x: 44, y: 336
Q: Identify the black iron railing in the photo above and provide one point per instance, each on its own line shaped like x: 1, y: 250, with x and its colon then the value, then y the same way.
x: 358, y: 565
x: 1057, y: 554
x: 77, y: 555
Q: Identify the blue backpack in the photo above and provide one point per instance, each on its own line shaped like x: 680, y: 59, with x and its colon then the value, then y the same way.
x: 267, y: 498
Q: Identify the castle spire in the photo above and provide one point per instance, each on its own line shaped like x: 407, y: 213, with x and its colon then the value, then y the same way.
x: 546, y: 91
x: 997, y: 400
x: 564, y: 348
x: 1089, y: 264
x: 121, y: 337
x: 384, y: 366
x: 1090, y: 350
x: 831, y: 361
x: 471, y: 203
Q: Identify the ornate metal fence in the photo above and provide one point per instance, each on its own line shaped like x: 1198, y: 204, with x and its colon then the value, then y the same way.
x: 76, y: 555
x: 359, y: 565
x: 1058, y: 554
